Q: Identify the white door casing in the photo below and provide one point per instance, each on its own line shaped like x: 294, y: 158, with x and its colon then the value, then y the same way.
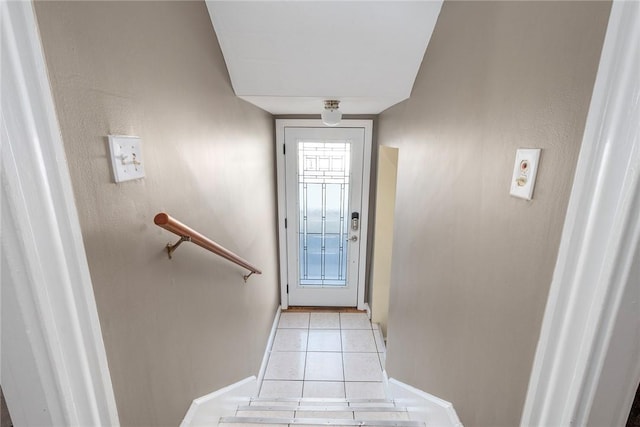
x: 322, y: 248
x: 54, y: 366
x: 292, y: 134
x: 586, y: 367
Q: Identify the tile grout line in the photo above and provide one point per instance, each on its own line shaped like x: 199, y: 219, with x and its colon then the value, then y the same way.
x: 344, y: 375
x: 306, y: 355
x: 344, y: 370
x: 304, y: 369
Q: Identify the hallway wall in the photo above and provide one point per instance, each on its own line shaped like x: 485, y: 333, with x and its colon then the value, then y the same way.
x: 174, y: 329
x: 471, y: 265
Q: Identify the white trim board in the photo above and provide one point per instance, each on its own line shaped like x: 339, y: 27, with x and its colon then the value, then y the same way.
x: 54, y: 365
x: 281, y: 124
x: 267, y: 351
x: 367, y: 308
x: 586, y: 367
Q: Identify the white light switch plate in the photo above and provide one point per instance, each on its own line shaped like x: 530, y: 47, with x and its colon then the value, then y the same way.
x: 524, y: 172
x: 126, y: 157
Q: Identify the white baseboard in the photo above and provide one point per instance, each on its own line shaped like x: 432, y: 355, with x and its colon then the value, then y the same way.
x: 267, y: 351
x: 207, y: 410
x: 367, y: 309
x: 423, y: 406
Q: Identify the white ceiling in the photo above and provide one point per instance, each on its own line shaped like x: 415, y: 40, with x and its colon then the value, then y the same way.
x: 286, y: 57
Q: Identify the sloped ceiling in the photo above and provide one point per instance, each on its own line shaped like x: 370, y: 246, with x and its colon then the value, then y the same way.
x: 287, y: 57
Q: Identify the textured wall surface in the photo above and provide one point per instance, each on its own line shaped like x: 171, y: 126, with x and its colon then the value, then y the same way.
x: 471, y: 265
x: 174, y: 329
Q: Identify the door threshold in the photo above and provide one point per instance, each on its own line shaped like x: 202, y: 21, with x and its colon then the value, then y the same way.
x: 322, y: 309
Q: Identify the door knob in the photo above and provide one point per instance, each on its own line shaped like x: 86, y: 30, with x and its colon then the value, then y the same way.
x: 353, y: 238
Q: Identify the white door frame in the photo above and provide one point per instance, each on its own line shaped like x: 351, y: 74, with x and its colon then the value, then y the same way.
x: 54, y: 365
x: 586, y: 367
x: 336, y: 296
x: 281, y: 124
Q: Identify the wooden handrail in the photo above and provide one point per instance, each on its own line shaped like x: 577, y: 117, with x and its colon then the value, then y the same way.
x: 187, y: 234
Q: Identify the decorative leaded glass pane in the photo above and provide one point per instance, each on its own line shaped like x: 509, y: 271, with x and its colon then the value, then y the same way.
x: 323, y: 198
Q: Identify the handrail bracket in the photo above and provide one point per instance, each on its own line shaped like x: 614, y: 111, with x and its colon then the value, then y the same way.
x: 246, y: 276
x: 171, y: 248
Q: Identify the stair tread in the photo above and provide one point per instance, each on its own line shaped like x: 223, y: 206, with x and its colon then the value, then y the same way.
x: 323, y: 421
x: 318, y: 399
x: 315, y: 408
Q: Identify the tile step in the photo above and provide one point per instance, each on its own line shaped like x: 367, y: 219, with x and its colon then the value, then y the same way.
x: 316, y: 408
x: 316, y: 421
x: 328, y: 400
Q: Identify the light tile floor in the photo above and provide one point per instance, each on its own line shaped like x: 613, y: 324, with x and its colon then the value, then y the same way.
x: 325, y: 355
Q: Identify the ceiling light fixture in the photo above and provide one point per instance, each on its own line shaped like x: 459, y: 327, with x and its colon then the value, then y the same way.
x: 331, y: 115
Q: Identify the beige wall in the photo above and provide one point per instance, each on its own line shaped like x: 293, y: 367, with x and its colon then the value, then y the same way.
x: 383, y: 232
x: 471, y: 265
x: 173, y: 330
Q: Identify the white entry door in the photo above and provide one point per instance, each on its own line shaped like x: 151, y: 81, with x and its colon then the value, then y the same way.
x: 324, y: 172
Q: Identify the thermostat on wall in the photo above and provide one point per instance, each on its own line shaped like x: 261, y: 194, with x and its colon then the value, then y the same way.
x: 126, y: 157
x: 524, y: 172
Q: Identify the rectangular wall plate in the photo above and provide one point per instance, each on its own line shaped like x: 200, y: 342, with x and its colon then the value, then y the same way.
x: 524, y: 172
x: 126, y: 157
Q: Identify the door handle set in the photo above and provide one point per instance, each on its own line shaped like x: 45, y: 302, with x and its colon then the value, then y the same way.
x: 355, y: 225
